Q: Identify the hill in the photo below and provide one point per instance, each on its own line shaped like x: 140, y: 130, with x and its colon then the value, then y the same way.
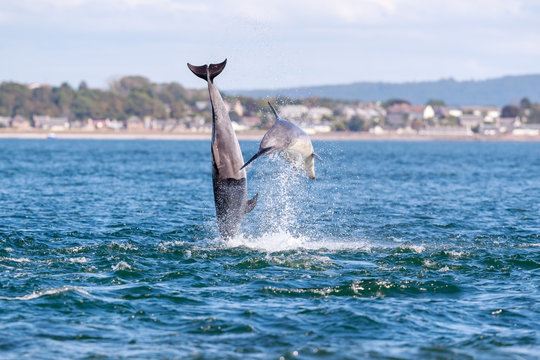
x: 496, y: 91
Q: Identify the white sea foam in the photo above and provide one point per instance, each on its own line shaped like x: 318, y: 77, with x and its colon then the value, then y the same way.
x: 124, y: 246
x: 37, y: 294
x: 19, y: 260
x: 284, y: 241
x: 528, y: 245
x: 122, y: 265
x: 429, y: 263
x: 165, y: 245
x: 75, y: 249
x: 79, y: 260
x: 416, y: 248
x: 456, y: 254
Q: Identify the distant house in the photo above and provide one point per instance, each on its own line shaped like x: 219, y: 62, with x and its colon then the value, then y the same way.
x: 318, y: 128
x: 508, y: 124
x: 446, y: 112
x: 5, y: 122
x: 470, y: 121
x: 100, y: 124
x: 172, y: 124
x: 201, y: 105
x: 396, y: 119
x: 134, y: 123
x: 114, y: 124
x: 88, y: 126
x: 397, y: 115
x: 235, y: 107
x: 481, y: 110
x: 316, y: 114
x: 527, y: 130
x: 416, y: 112
x: 251, y: 121
x: 293, y: 112
x: 148, y: 122
x: 455, y: 113
x: 51, y: 123
x: 489, y: 129
x: 238, y: 127
x: 20, y: 123
x: 175, y: 126
x: 429, y: 112
x: 377, y: 130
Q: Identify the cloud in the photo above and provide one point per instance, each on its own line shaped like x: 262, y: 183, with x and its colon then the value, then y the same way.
x: 385, y: 39
x: 290, y: 13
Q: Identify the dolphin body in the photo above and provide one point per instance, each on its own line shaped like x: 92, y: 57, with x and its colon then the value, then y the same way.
x: 230, y: 185
x: 293, y: 142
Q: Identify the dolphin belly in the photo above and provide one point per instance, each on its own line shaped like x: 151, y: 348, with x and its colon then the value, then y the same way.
x: 230, y: 197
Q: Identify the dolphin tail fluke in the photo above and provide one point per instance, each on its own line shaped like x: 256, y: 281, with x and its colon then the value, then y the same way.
x: 274, y: 110
x: 254, y: 157
x: 251, y: 203
x: 208, y: 72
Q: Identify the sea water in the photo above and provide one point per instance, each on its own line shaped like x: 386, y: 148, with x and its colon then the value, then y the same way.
x: 398, y: 250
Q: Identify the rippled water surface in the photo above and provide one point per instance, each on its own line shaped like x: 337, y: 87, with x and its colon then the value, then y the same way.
x: 109, y: 249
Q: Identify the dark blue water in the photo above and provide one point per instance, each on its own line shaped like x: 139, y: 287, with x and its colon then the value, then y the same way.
x: 109, y: 249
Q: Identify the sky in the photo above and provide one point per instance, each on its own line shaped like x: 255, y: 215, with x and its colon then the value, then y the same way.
x: 268, y: 43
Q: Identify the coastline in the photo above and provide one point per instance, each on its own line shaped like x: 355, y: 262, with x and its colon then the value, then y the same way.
x: 257, y: 135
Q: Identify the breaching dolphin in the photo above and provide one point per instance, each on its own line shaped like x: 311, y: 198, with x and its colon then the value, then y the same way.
x: 293, y: 142
x: 230, y: 185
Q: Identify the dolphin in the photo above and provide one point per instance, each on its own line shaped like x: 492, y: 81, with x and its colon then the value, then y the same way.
x: 293, y: 142
x: 230, y: 185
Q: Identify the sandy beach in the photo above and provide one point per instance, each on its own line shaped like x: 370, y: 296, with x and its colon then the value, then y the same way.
x: 255, y: 135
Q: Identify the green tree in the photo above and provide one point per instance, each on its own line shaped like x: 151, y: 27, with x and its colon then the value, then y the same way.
x: 356, y: 123
x: 510, y: 111
x: 436, y: 102
x: 525, y: 103
x: 394, y: 101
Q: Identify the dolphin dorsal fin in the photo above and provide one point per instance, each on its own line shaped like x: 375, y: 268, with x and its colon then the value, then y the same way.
x: 274, y: 110
x: 250, y: 204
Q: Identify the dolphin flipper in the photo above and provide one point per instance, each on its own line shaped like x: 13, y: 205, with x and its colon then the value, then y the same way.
x: 207, y: 72
x: 250, y: 204
x: 259, y: 153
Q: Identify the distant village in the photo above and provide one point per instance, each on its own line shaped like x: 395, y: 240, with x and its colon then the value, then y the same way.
x: 315, y: 116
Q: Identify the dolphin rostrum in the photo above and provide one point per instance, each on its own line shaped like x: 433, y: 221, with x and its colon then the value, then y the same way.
x: 293, y: 142
x: 230, y: 185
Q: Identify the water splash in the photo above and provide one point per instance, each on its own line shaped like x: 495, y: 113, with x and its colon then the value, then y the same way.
x: 278, y: 241
x: 283, y: 194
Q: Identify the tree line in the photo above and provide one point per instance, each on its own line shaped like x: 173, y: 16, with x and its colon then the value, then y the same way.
x: 128, y: 96
x: 138, y: 96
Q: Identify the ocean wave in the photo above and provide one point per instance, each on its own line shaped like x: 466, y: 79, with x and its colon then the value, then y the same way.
x: 54, y: 291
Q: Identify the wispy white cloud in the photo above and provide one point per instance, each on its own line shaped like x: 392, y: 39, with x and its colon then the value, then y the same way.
x: 388, y: 39
x: 352, y: 12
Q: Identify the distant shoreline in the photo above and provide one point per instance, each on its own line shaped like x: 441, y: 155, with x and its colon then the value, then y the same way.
x: 257, y: 135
